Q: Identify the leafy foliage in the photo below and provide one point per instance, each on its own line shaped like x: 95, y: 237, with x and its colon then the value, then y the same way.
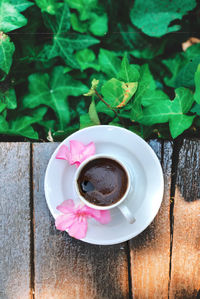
x: 130, y: 53
x: 154, y: 17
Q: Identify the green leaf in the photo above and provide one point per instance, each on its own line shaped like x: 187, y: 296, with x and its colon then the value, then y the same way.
x: 117, y: 93
x: 2, y: 106
x: 77, y: 25
x: 48, y: 6
x: 22, y: 124
x: 98, y: 24
x: 85, y: 121
x: 139, y: 45
x: 93, y: 113
x: 197, y: 85
x: 10, y: 17
x: 183, y: 67
x: 65, y: 43
x: 179, y: 123
x: 145, y: 85
x: 172, y: 111
x: 52, y: 91
x: 151, y: 97
x: 109, y: 63
x: 9, y: 98
x: 196, y: 109
x: 86, y: 58
x: 92, y: 90
x: 128, y: 73
x: 102, y: 108
x: 21, y: 5
x: 3, y: 125
x: 154, y: 17
x: 7, y: 49
x: 84, y: 7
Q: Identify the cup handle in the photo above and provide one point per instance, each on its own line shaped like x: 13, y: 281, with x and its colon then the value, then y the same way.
x: 127, y: 213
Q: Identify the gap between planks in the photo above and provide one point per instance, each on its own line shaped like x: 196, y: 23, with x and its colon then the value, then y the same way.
x: 32, y: 228
x: 174, y: 169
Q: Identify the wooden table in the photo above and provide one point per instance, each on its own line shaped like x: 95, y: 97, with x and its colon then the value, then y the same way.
x: 37, y: 261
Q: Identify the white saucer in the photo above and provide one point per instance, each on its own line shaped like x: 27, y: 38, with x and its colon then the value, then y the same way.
x: 147, y: 190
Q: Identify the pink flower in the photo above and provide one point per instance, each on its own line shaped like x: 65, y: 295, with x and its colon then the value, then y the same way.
x: 78, y: 152
x: 74, y: 219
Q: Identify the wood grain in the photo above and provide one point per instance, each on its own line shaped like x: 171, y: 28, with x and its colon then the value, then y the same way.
x: 150, y: 251
x: 64, y: 267
x: 15, y: 221
x: 185, y: 272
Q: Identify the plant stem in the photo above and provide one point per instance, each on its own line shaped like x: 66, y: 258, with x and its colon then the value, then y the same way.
x: 101, y: 99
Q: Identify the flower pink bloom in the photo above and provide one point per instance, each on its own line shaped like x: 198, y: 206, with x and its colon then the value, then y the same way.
x: 78, y: 152
x: 74, y: 219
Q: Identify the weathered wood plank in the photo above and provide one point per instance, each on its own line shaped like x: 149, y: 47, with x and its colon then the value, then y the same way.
x: 15, y: 220
x: 67, y: 268
x: 185, y: 270
x: 150, y: 251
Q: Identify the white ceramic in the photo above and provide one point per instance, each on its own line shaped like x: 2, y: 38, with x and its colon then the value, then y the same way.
x: 144, y: 167
x: 121, y: 204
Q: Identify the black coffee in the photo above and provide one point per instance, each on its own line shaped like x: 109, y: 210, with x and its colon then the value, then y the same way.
x: 102, y: 182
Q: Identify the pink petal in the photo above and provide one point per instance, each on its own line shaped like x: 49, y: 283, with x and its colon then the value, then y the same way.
x: 64, y: 221
x: 89, y: 150
x: 76, y: 148
x: 78, y: 229
x: 91, y: 212
x: 104, y: 217
x: 63, y: 153
x: 66, y: 206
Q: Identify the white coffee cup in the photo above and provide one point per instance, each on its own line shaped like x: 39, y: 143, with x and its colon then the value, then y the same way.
x: 121, y: 203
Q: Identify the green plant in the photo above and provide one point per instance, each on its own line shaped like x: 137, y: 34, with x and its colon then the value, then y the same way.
x: 132, y: 53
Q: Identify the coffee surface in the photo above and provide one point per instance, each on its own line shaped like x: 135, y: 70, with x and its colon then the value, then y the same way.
x: 102, y: 182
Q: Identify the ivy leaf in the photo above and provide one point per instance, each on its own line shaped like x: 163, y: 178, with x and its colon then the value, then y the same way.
x: 9, y: 98
x: 145, y: 85
x: 183, y: 67
x: 196, y: 109
x: 22, y: 124
x: 93, y: 113
x: 102, y: 108
x: 77, y: 25
x: 151, y: 97
x: 65, y: 43
x: 21, y: 5
x: 172, y: 111
x: 109, y: 63
x: 92, y: 89
x: 154, y: 17
x: 85, y: 121
x: 3, y: 125
x: 7, y: 49
x: 86, y: 58
x: 48, y: 6
x: 128, y: 73
x: 2, y: 106
x: 117, y: 93
x: 98, y: 24
x: 138, y: 44
x: 91, y: 17
x: 197, y: 85
x: 84, y: 7
x: 52, y: 91
x: 10, y: 17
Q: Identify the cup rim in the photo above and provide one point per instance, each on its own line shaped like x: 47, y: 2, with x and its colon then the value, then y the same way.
x: 96, y: 156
